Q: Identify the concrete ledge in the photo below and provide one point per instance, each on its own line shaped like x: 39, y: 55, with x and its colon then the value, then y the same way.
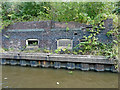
x: 57, y: 57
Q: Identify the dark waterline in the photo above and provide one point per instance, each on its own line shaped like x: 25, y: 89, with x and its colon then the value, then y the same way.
x: 28, y: 77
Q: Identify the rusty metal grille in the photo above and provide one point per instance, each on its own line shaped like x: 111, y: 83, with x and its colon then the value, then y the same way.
x: 64, y: 43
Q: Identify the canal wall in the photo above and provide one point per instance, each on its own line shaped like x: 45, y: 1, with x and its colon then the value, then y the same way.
x: 81, y: 62
x: 50, y: 35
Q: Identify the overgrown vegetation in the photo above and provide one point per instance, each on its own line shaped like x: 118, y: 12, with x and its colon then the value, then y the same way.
x: 90, y: 13
x: 83, y: 12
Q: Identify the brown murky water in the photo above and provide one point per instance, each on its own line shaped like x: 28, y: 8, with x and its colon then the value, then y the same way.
x: 28, y: 77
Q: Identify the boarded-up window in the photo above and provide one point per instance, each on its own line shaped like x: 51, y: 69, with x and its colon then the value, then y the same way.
x: 64, y: 43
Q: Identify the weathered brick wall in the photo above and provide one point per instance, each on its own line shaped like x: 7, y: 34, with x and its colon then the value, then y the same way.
x: 69, y: 24
x: 51, y: 32
x: 31, y: 25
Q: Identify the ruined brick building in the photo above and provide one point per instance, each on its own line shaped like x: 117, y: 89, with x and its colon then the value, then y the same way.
x: 49, y: 34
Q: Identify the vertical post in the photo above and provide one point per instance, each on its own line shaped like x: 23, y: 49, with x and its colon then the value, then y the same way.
x: 85, y: 67
x: 99, y: 67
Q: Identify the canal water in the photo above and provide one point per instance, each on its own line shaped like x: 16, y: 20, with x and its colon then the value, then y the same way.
x: 29, y: 77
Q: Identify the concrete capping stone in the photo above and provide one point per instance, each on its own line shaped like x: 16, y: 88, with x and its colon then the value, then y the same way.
x: 24, y: 30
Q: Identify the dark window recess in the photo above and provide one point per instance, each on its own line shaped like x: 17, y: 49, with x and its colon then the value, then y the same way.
x: 75, y: 33
x: 32, y: 42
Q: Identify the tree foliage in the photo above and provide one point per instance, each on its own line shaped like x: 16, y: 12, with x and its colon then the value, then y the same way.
x: 59, y: 11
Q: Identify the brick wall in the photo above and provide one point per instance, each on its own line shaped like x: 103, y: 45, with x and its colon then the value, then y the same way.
x: 51, y: 32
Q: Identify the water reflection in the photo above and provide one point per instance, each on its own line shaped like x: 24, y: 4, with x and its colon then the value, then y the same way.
x: 28, y: 77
